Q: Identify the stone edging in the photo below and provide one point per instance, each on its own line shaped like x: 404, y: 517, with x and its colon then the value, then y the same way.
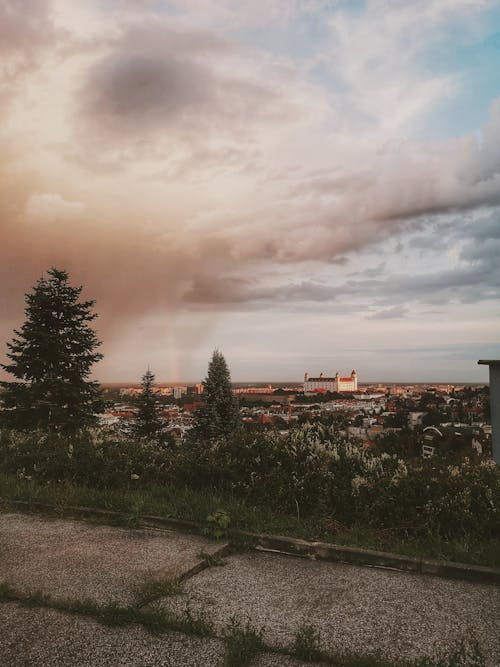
x: 290, y: 545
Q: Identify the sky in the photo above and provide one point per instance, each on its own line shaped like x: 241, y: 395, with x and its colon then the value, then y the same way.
x: 307, y: 185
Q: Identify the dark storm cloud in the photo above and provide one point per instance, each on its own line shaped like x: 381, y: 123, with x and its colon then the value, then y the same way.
x: 130, y: 92
x: 470, y: 283
x: 232, y: 292
x: 155, y: 79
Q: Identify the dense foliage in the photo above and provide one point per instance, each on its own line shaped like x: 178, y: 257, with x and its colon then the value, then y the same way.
x: 309, y: 471
x: 51, y: 358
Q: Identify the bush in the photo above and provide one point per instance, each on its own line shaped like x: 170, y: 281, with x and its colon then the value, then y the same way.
x: 87, y: 459
x: 307, y: 472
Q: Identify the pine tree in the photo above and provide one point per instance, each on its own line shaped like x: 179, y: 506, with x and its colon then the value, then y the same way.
x: 220, y: 415
x: 148, y: 423
x: 51, y: 357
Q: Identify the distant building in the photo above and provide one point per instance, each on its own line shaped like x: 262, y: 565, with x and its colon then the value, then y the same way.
x: 334, y: 384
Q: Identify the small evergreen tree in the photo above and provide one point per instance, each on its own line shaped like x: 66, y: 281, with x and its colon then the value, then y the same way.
x: 148, y: 423
x: 51, y: 357
x: 220, y: 415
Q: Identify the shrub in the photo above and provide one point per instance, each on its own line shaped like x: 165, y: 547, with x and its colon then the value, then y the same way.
x: 309, y: 471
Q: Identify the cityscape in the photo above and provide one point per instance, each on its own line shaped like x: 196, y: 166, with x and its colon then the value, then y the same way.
x: 434, y: 416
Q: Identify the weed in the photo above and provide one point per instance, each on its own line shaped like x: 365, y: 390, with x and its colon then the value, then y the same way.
x: 155, y: 589
x: 195, y: 623
x: 212, y: 560
x: 466, y: 654
x: 7, y: 593
x: 307, y: 644
x: 217, y: 524
x: 243, y: 642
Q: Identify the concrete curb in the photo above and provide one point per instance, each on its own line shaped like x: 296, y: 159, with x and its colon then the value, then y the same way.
x: 284, y: 545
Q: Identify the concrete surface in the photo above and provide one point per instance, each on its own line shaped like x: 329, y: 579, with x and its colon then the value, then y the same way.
x: 46, y: 638
x: 75, y: 559
x: 355, y: 609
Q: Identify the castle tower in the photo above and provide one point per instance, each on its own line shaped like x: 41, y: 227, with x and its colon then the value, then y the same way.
x: 354, y: 377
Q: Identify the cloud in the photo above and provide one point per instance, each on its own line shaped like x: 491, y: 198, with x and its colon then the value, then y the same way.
x: 129, y: 92
x: 25, y: 25
x: 389, y: 314
x: 51, y: 207
x: 159, y: 80
x: 174, y: 162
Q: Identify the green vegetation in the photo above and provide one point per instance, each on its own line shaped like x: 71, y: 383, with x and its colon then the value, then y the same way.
x: 217, y: 524
x: 51, y: 358
x: 154, y: 589
x: 307, y: 644
x: 189, y: 504
x: 309, y: 475
x: 220, y: 415
x: 243, y: 642
x: 147, y: 424
x: 212, y: 560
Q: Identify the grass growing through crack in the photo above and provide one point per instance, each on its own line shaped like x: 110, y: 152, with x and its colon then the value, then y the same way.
x: 212, y: 560
x: 243, y: 642
x: 307, y: 644
x: 154, y: 589
x: 112, y: 614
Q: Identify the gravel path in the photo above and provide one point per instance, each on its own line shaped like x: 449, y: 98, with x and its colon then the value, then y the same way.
x: 355, y: 609
x: 75, y: 559
x: 46, y: 638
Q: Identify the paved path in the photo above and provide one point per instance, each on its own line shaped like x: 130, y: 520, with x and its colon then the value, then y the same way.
x: 75, y: 559
x: 354, y: 608
x: 357, y: 609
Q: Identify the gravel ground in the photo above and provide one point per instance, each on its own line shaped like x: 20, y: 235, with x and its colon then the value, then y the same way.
x: 355, y: 609
x: 277, y: 660
x: 75, y: 559
x: 46, y: 638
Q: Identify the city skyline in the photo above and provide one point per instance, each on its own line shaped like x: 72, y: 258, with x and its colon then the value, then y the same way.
x: 305, y: 185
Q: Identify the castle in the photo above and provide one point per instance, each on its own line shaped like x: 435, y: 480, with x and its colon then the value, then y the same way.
x: 333, y: 384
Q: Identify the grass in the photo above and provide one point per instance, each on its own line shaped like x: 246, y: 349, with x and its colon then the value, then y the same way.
x: 154, y: 589
x: 212, y: 560
x: 307, y: 645
x: 243, y: 642
x: 195, y: 505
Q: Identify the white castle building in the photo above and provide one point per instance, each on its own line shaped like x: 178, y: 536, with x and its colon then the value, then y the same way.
x: 336, y: 383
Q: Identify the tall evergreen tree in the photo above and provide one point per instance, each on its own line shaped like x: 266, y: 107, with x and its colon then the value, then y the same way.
x: 148, y: 423
x: 220, y: 415
x: 51, y: 357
